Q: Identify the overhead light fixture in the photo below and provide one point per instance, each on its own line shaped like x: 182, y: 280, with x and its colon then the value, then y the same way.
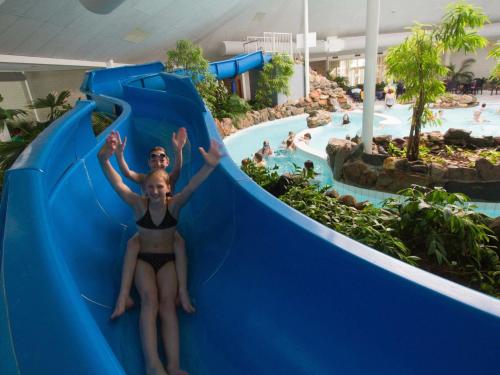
x: 136, y: 36
x: 259, y: 16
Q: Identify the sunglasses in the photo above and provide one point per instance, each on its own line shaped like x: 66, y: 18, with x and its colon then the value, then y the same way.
x: 158, y: 156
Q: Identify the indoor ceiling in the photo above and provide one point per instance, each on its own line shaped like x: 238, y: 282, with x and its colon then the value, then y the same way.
x: 142, y: 30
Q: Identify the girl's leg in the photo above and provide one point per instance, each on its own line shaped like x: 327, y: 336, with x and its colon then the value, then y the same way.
x: 145, y: 281
x: 167, y: 285
x: 124, y: 300
x: 181, y: 268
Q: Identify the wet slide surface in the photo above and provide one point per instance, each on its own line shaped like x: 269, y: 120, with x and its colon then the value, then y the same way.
x: 275, y: 292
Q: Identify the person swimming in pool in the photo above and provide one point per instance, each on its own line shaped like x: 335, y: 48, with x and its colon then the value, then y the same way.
x: 158, y: 159
x: 155, y: 274
x: 345, y: 119
x: 476, y: 116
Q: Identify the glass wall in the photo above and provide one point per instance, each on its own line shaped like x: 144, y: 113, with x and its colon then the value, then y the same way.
x: 354, y: 69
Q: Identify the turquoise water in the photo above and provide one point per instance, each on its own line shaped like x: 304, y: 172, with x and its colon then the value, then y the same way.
x: 245, y: 143
x: 452, y: 118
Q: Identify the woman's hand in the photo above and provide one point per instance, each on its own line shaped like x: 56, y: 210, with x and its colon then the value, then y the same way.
x: 120, y: 146
x: 179, y: 139
x: 109, y: 147
x: 212, y: 157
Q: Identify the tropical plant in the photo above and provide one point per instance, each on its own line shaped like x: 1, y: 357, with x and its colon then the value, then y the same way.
x: 26, y: 132
x: 56, y: 103
x: 371, y: 226
x: 273, y: 80
x: 495, y: 54
x: 214, y: 93
x: 417, y: 61
x: 188, y: 57
x: 342, y: 81
x: 443, y: 226
x: 7, y: 115
x: 461, y: 75
x: 263, y: 176
x: 431, y: 228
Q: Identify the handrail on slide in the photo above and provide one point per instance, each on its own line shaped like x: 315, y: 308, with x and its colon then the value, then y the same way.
x: 275, y: 291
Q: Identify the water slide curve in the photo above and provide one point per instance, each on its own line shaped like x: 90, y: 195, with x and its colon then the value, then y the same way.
x: 276, y: 292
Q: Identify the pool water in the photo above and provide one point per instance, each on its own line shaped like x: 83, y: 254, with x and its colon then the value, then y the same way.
x: 398, y: 124
x: 246, y: 142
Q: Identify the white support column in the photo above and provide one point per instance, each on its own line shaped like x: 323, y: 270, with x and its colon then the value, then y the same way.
x: 306, y: 48
x: 372, y: 24
x: 30, y: 97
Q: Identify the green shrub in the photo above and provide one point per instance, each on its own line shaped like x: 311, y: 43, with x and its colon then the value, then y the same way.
x: 443, y: 228
x: 187, y: 56
x: 343, y: 82
x: 273, y: 80
x: 431, y: 228
x: 214, y: 93
x: 219, y: 101
x: 370, y: 226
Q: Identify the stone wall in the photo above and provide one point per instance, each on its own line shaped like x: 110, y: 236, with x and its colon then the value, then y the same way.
x: 325, y: 97
x: 383, y: 172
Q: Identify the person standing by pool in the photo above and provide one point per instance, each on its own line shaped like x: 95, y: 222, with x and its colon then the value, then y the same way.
x: 390, y: 97
x: 476, y: 116
x: 155, y: 275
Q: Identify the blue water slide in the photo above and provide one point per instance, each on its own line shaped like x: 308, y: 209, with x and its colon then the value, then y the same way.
x: 239, y: 64
x: 276, y: 292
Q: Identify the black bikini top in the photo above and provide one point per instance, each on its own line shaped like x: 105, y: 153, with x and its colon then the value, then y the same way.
x: 146, y: 222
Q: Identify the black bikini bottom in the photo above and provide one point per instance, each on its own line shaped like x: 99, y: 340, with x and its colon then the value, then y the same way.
x: 157, y: 260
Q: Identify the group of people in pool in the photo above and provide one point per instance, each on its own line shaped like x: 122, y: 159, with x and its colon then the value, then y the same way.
x: 288, y: 145
x: 156, y: 257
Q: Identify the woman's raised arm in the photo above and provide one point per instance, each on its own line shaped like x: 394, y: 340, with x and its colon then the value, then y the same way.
x: 212, y: 158
x: 112, y: 176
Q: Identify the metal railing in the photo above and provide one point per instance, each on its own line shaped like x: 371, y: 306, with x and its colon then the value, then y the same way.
x: 271, y: 42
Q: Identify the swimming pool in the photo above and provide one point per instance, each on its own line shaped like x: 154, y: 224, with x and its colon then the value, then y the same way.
x: 246, y: 142
x: 396, y: 122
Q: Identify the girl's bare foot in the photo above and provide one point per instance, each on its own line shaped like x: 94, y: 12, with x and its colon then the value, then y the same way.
x: 177, y: 372
x: 156, y: 370
x: 123, y: 303
x: 186, y: 301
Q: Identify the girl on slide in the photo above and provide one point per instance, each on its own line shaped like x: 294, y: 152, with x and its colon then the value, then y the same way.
x: 158, y: 159
x: 155, y: 274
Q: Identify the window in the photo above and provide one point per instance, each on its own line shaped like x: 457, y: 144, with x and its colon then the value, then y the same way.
x: 354, y: 69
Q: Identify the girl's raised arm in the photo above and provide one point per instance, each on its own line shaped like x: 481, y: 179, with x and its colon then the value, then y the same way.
x: 212, y: 158
x: 119, y: 152
x: 113, y: 177
x: 179, y: 140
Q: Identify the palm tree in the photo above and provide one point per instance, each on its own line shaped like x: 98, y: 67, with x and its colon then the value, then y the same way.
x: 9, y: 115
x: 57, y: 104
x: 461, y: 75
x: 26, y: 130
